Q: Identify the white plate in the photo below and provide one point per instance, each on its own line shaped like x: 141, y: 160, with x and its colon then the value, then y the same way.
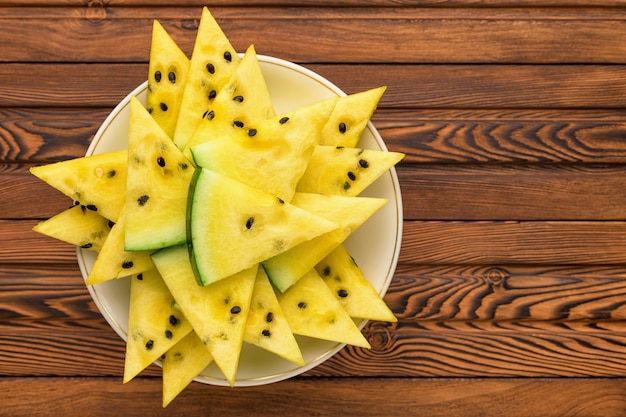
x: 375, y: 245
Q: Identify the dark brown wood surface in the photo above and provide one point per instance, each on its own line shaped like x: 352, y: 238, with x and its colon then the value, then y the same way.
x: 511, y: 285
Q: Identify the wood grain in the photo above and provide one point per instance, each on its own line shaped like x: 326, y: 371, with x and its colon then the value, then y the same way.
x: 458, y: 36
x: 507, y: 87
x: 310, y: 397
x: 510, y: 286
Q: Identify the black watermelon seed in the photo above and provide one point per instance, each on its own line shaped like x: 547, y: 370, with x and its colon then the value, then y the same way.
x: 143, y: 199
x: 340, y: 147
x: 251, y: 132
x: 351, y: 175
x: 157, y: 76
x: 183, y: 165
x: 172, y: 77
x: 140, y: 277
x: 238, y: 123
x: 150, y: 110
x: 127, y: 264
x: 168, y: 334
x: 161, y: 161
x: 111, y: 224
x: 173, y: 320
x: 326, y: 271
x: 346, y: 185
x: 249, y: 223
x: 238, y: 99
x: 210, y: 115
x: 342, y: 293
x: 269, y: 317
x: 227, y: 56
x: 266, y: 333
x: 211, y: 68
x: 111, y: 173
x: 163, y: 106
x: 91, y: 207
x: 86, y: 246
x: 342, y: 127
x: 363, y: 163
x: 83, y: 208
x: 283, y: 120
x: 280, y: 200
x: 235, y: 310
x: 302, y: 305
x: 212, y: 94
x: 149, y: 344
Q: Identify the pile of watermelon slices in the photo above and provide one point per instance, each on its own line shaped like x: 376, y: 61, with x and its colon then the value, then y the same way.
x: 229, y: 218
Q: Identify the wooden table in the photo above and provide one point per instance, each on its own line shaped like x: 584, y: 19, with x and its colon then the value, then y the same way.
x: 511, y: 285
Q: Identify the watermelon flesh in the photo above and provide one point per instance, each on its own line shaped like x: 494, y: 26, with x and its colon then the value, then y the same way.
x: 157, y: 185
x: 167, y: 75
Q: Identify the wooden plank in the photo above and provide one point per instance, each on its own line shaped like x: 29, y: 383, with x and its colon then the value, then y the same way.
x: 47, y: 135
x: 42, y: 135
x: 404, y: 349
x: 332, y: 3
x: 511, y: 87
x: 462, y: 36
x: 322, y: 397
x: 54, y: 296
x: 509, y: 242
x: 513, y: 192
x: 501, y: 136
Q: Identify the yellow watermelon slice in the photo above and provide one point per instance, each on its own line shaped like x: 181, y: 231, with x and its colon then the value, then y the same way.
x: 233, y: 226
x: 167, y: 75
x: 157, y: 185
x: 182, y: 363
x: 270, y: 155
x: 213, y: 61
x: 154, y: 324
x: 77, y: 226
x: 267, y: 326
x: 355, y: 293
x: 242, y: 101
x: 98, y: 182
x: 335, y: 170
x: 349, y: 213
x: 217, y: 312
x: 312, y: 310
x: 350, y: 117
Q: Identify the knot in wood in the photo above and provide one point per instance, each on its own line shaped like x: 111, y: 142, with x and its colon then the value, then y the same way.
x: 496, y: 276
x: 96, y: 11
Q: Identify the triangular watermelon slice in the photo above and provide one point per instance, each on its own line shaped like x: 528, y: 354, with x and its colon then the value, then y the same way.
x: 244, y: 100
x: 335, y: 170
x: 270, y: 155
x: 97, y: 182
x: 355, y: 293
x: 113, y: 261
x: 349, y: 213
x: 213, y: 61
x: 267, y: 326
x: 233, y: 226
x: 312, y: 310
x: 217, y: 312
x: 77, y: 226
x: 350, y: 117
x: 157, y: 185
x: 182, y: 363
x: 154, y: 324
